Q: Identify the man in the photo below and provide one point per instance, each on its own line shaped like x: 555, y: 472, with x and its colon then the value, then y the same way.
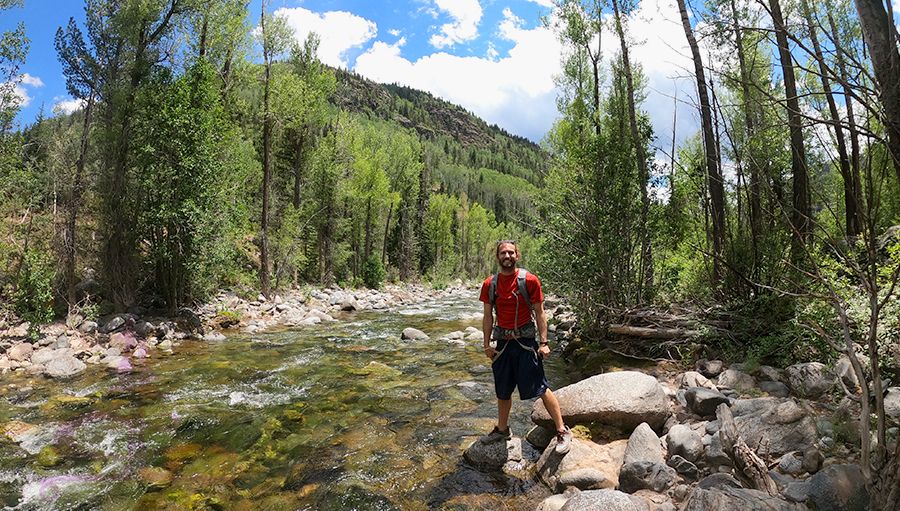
x: 517, y: 360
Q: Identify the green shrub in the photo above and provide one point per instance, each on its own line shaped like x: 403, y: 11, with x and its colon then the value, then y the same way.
x: 373, y: 272
x: 33, y: 298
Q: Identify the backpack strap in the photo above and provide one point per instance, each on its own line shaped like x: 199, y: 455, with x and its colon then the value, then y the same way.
x: 520, y: 283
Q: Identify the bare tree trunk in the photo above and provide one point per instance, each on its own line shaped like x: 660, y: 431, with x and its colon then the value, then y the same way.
x: 801, y: 204
x: 645, y: 271
x: 851, y: 219
x: 881, y: 38
x: 75, y: 202
x: 755, y: 184
x: 855, y: 177
x: 265, y: 283
x: 713, y: 172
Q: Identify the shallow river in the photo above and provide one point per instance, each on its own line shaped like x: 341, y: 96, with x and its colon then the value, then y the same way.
x: 339, y: 416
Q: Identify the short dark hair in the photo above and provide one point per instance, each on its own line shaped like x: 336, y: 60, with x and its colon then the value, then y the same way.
x: 501, y: 242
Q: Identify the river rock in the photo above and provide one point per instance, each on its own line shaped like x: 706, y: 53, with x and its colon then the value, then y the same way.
x: 695, y: 379
x: 735, y: 379
x: 414, y: 335
x: 785, y: 427
x: 583, y: 479
x: 703, y: 401
x: 88, y: 327
x: 608, y: 499
x: 645, y: 475
x: 643, y: 445
x: 215, y: 336
x: 891, y: 402
x: 774, y: 388
x: 495, y: 454
x: 64, y: 366
x: 839, y: 488
x: 540, y: 437
x: 624, y: 399
x: 20, y: 352
x: 709, y: 368
x: 553, y: 502
x: 112, y: 324
x: 809, y: 380
x: 685, y: 442
x: 684, y: 467
x: 606, y: 459
x: 124, y: 341
x: 725, y: 498
x: 843, y: 369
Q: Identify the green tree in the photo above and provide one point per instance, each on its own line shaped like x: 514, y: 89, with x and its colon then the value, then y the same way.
x: 178, y: 159
x: 275, y: 36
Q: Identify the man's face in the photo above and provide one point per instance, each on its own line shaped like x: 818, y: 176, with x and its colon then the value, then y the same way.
x: 507, y: 256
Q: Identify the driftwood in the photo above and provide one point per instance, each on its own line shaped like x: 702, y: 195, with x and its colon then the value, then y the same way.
x: 652, y: 333
x: 750, y: 469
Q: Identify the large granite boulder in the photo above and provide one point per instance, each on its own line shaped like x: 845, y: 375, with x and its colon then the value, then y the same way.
x: 624, y: 399
x: 495, y: 454
x: 725, y: 498
x: 839, y: 488
x: 602, y: 461
x: 593, y: 500
x: 644, y: 445
x: 782, y: 424
x: 809, y: 380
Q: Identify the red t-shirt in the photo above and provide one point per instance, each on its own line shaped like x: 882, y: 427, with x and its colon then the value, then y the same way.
x: 506, y: 300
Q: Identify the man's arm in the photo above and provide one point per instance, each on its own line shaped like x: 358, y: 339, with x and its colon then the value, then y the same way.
x: 487, y: 326
x: 540, y: 320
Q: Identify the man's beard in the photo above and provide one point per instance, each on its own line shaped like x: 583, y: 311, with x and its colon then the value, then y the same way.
x: 508, y: 263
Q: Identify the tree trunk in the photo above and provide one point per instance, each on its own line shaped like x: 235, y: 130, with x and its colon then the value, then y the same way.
x: 645, y: 271
x: 851, y: 220
x: 756, y: 177
x: 713, y: 172
x: 265, y: 283
x: 75, y: 202
x: 855, y: 177
x: 801, y: 205
x: 881, y: 38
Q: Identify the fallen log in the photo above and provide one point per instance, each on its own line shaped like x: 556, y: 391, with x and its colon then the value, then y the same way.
x: 749, y: 468
x: 652, y: 333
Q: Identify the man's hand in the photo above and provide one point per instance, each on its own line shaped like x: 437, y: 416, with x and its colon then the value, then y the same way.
x: 544, y: 350
x: 490, y: 352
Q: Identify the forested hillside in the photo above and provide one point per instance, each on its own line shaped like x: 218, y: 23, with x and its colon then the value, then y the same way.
x: 171, y: 182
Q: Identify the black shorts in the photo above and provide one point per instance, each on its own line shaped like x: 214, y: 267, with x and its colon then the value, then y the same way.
x: 516, y: 366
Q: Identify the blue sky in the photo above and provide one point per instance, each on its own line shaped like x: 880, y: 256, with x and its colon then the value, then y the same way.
x: 493, y: 57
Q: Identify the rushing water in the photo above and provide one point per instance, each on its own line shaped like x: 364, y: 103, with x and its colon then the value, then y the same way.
x: 339, y: 416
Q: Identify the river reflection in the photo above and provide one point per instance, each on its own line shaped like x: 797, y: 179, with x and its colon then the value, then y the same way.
x: 339, y: 416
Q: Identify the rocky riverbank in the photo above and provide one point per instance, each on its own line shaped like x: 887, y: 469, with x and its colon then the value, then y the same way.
x: 655, y: 441
x: 66, y: 348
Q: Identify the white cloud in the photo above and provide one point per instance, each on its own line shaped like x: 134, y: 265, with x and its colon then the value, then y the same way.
x: 340, y: 31
x: 516, y: 91
x: 466, y: 15
x: 394, y: 32
x: 67, y: 106
x: 19, y: 90
x: 544, y: 3
x: 31, y: 81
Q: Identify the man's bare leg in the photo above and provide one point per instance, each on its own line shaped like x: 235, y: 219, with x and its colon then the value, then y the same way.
x: 552, y: 406
x: 504, y: 406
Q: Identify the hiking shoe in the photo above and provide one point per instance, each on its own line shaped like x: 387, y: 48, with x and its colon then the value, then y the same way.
x: 496, y: 436
x: 563, y: 439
